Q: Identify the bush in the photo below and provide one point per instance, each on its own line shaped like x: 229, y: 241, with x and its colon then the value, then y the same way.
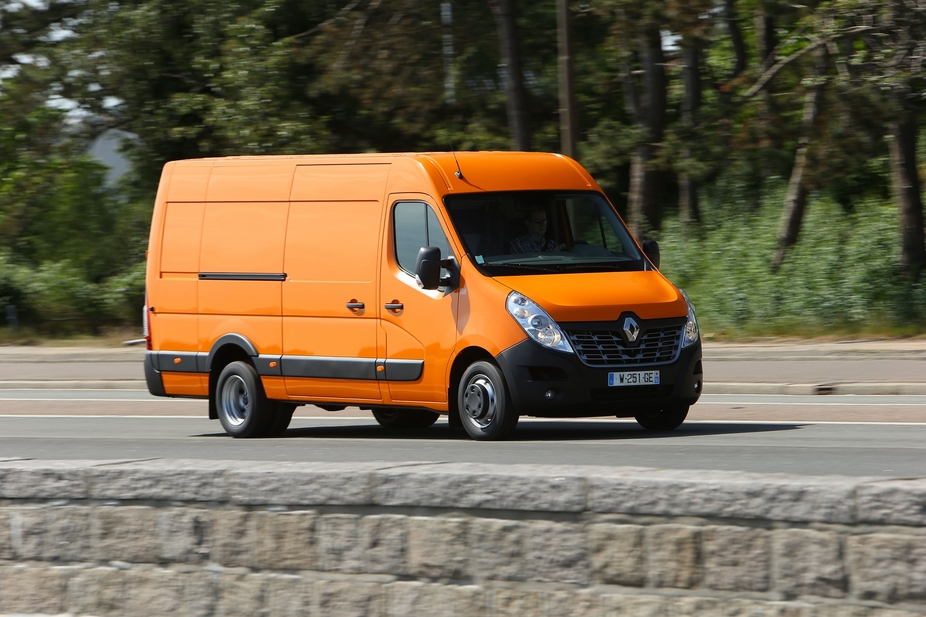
x: 842, y: 276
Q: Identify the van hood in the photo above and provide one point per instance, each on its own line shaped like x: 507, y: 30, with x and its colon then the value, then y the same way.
x: 601, y: 296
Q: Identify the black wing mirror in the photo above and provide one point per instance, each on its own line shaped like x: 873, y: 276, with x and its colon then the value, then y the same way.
x: 427, y: 267
x: 651, y: 248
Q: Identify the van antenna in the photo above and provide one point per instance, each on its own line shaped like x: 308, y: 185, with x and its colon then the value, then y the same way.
x: 459, y: 172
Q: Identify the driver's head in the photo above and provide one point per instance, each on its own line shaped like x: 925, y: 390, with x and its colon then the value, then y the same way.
x: 536, y: 221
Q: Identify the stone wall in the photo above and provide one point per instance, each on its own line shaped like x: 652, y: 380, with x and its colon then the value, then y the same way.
x: 213, y: 538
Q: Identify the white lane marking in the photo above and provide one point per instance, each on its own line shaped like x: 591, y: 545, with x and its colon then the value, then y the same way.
x: 532, y: 420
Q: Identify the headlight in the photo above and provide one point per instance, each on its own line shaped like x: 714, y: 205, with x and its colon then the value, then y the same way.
x: 535, y: 321
x: 690, y: 335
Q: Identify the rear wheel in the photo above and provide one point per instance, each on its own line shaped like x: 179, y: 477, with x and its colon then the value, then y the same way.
x: 395, y: 419
x: 666, y: 419
x: 485, y: 408
x: 242, y: 406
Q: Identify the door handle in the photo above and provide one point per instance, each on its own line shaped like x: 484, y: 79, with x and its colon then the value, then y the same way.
x: 394, y: 306
x: 355, y: 306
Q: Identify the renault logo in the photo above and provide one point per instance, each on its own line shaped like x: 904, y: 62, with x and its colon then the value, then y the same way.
x: 631, y: 330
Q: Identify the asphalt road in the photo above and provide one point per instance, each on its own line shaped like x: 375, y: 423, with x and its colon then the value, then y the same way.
x: 806, y: 435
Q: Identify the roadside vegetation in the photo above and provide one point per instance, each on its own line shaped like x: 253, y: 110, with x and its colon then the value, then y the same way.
x: 771, y: 147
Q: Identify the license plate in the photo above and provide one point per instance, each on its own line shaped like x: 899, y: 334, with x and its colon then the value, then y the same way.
x: 634, y: 378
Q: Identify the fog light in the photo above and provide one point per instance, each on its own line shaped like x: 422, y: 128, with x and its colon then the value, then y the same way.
x: 697, y: 386
x: 549, y: 394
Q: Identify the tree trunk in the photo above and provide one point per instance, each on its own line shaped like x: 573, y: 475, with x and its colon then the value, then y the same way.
x: 907, y: 194
x: 643, y: 202
x: 796, y: 197
x: 510, y: 51
x: 688, y: 207
x: 736, y: 37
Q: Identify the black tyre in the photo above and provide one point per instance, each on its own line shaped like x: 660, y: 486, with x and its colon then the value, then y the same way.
x: 396, y: 419
x: 667, y: 419
x: 485, y: 407
x: 243, y: 408
x: 282, y: 416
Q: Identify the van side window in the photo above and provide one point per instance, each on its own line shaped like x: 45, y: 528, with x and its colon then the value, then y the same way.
x: 416, y: 225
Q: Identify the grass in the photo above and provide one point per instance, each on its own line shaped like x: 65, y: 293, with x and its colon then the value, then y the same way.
x: 842, y: 279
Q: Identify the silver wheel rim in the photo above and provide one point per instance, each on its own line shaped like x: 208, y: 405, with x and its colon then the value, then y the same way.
x: 480, y: 401
x: 235, y: 401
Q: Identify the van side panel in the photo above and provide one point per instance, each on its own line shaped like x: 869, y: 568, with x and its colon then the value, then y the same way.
x: 251, y: 180
x: 241, y: 239
x: 332, y: 241
x: 183, y: 224
x: 185, y: 384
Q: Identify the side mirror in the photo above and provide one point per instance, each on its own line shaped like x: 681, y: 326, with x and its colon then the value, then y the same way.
x: 651, y: 248
x: 427, y: 267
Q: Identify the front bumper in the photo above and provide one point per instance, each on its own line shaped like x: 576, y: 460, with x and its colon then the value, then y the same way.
x: 581, y: 390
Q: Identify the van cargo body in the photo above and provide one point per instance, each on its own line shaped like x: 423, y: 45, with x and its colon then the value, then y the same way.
x: 486, y: 285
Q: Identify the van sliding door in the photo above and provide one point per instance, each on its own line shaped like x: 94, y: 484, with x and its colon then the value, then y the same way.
x: 330, y: 299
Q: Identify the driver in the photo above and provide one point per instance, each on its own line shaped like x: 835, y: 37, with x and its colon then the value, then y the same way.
x: 535, y: 240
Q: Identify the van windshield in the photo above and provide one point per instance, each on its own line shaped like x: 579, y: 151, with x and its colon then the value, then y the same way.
x: 536, y: 232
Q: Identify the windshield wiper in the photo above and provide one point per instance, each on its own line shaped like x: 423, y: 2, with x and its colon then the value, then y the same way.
x: 523, y: 266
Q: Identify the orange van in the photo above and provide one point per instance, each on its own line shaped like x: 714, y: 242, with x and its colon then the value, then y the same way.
x: 485, y: 285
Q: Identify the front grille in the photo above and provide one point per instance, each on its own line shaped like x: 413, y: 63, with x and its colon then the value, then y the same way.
x: 634, y: 393
x: 607, y: 348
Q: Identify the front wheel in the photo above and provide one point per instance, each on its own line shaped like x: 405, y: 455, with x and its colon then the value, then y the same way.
x: 243, y: 408
x: 397, y: 419
x: 485, y: 407
x: 667, y: 419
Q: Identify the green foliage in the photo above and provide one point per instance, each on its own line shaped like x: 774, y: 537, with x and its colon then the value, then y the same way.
x: 843, y: 276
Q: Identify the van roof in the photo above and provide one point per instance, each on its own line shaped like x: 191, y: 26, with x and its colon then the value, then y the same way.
x: 480, y: 171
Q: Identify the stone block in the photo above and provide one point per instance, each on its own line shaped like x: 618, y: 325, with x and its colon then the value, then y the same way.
x: 185, y: 535
x: 6, y: 543
x: 475, y: 485
x: 414, y: 599
x: 557, y: 552
x: 349, y: 599
x: 164, y: 480
x: 498, y: 549
x: 725, y: 494
x: 96, y: 591
x: 736, y: 558
x: 385, y: 537
x: 517, y: 602
x: 201, y: 593
x: 616, y: 554
x: 808, y: 562
x: 467, y: 600
x: 287, y: 596
x: 340, y: 543
x: 437, y: 547
x: 573, y: 603
x: 29, y: 531
x: 619, y: 605
x: 240, y: 595
x: 153, y: 592
x: 69, y: 533
x: 33, y: 590
x: 127, y: 533
x: 285, y: 540
x: 893, y: 502
x: 888, y: 567
x: 673, y: 556
x: 43, y: 480
x: 234, y: 538
x: 301, y: 484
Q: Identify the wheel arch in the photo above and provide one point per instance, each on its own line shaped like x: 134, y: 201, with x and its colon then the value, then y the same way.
x: 227, y: 349
x: 460, y: 363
